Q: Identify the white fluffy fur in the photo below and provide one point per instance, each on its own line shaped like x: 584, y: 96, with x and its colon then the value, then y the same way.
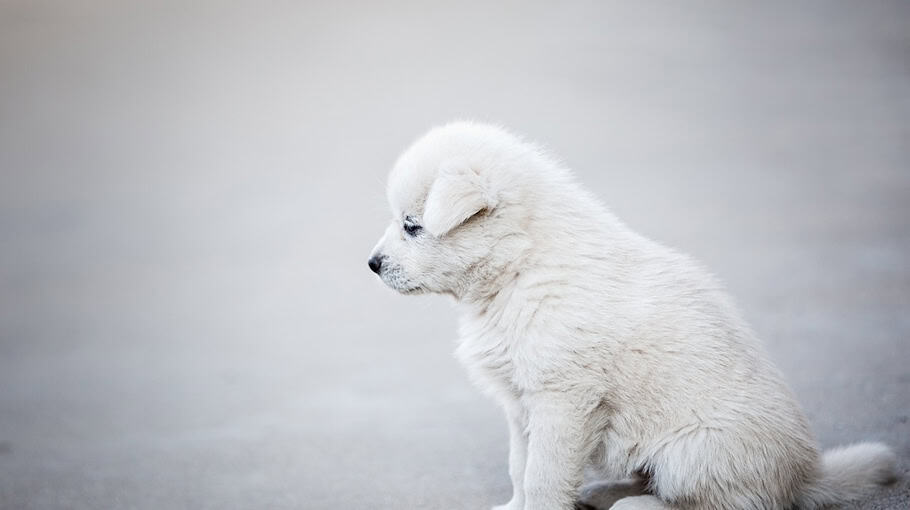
x: 603, y: 347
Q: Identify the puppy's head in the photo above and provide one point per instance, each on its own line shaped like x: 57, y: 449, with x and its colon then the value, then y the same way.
x: 453, y: 229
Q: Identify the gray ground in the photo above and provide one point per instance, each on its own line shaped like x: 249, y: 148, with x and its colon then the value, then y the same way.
x: 190, y: 191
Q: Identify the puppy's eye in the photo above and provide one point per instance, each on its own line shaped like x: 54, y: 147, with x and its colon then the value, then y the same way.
x: 412, y: 229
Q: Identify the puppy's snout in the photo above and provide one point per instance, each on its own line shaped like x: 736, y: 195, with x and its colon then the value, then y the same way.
x: 375, y: 263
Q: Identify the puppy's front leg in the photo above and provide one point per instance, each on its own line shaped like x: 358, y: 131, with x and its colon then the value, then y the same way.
x: 518, y: 454
x: 556, y: 453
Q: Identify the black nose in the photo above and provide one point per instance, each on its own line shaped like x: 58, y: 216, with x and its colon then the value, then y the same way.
x: 375, y: 263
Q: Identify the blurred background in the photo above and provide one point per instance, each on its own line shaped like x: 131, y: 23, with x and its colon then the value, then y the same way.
x: 189, y: 192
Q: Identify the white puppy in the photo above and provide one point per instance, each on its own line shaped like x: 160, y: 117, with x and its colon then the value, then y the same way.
x: 602, y: 346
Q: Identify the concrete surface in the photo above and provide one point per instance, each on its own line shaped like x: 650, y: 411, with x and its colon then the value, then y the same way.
x: 190, y: 190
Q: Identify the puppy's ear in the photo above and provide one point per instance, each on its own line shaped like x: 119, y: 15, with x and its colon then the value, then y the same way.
x: 457, y: 194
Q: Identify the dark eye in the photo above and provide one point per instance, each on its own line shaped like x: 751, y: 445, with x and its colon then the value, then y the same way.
x: 412, y: 229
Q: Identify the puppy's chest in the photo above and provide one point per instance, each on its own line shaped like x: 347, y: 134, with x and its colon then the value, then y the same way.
x: 491, y: 362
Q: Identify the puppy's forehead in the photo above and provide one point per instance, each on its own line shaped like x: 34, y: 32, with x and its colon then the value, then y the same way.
x: 476, y: 145
x: 413, y: 174
x: 408, y: 187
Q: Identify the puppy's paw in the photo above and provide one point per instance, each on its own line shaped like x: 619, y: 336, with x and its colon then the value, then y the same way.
x: 508, y: 506
x: 601, y: 495
x: 640, y: 503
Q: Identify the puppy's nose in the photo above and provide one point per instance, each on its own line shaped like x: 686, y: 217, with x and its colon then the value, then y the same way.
x: 376, y: 263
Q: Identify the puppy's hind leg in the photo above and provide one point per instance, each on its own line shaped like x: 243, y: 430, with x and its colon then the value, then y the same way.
x: 642, y: 503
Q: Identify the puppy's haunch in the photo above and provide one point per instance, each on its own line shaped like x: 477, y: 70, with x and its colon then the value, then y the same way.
x: 602, y: 346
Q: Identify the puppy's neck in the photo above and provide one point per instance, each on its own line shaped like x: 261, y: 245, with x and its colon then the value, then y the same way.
x: 481, y: 299
x: 486, y: 285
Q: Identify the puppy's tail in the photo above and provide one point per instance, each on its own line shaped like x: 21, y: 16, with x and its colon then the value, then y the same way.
x: 849, y: 473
